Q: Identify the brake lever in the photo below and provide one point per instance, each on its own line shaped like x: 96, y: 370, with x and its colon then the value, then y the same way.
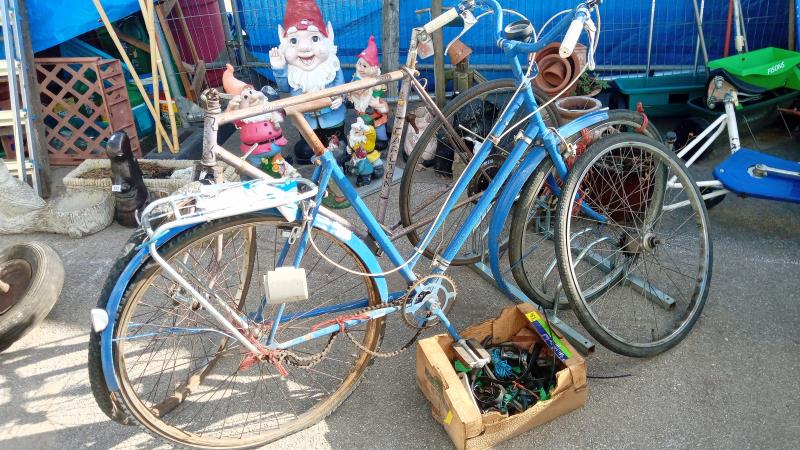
x: 591, y: 30
x: 469, y: 21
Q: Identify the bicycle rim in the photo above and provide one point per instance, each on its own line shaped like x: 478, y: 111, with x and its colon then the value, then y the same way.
x: 185, y: 380
x: 532, y: 257
x: 650, y: 261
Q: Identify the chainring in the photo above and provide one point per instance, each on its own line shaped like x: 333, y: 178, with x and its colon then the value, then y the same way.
x: 420, y: 291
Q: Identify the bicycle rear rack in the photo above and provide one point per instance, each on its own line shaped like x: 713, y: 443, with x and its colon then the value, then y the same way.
x: 217, y: 201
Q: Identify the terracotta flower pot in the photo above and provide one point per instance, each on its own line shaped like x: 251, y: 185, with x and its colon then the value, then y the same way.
x: 570, y: 108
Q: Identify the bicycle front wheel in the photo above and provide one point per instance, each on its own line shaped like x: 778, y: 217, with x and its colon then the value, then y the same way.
x: 185, y: 379
x: 632, y: 230
x: 532, y: 258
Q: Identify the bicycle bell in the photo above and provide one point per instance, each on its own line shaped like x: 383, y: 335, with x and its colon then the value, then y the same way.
x: 520, y: 30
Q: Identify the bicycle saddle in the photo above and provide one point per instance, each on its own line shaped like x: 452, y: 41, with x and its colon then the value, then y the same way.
x: 741, y: 86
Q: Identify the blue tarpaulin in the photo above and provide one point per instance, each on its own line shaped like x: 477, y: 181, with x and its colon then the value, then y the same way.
x: 55, y: 21
x: 623, y: 40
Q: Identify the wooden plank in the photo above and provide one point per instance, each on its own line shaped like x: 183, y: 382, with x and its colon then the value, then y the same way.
x: 199, y: 77
x: 174, y: 51
x: 133, y: 41
x: 7, y: 117
x: 390, y: 40
x: 186, y: 34
x: 168, y: 5
x: 438, y: 57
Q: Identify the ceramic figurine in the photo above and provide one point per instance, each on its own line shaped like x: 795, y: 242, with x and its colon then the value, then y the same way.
x: 370, y: 101
x: 262, y: 131
x: 306, y: 62
x: 127, y: 181
x: 366, y: 163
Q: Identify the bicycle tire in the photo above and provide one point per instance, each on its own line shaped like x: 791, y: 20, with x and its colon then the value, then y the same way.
x: 34, y: 274
x: 108, y: 401
x: 153, y: 415
x: 529, y: 266
x: 644, y: 187
x: 414, y: 210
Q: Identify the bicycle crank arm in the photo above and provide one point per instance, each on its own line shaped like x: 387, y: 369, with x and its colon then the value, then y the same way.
x: 335, y: 327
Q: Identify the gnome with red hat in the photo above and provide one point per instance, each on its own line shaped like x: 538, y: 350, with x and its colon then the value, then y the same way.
x: 261, y: 136
x: 370, y: 101
x: 306, y: 62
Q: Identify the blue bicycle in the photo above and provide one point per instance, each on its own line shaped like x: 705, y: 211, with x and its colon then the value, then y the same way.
x: 245, y: 312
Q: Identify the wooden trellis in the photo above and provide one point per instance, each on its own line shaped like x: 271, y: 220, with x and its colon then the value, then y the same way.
x: 84, y: 101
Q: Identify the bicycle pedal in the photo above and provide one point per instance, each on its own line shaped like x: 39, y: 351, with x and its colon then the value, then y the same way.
x: 471, y: 353
x: 286, y: 285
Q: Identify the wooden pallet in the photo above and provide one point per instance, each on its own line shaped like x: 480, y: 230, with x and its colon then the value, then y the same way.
x: 84, y: 101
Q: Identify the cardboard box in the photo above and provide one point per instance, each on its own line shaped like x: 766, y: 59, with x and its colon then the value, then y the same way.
x: 450, y: 402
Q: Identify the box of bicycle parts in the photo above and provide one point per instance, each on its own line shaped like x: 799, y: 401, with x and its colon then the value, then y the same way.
x: 463, y: 399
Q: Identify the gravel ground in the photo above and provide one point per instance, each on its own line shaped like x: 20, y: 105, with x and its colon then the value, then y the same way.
x: 731, y: 384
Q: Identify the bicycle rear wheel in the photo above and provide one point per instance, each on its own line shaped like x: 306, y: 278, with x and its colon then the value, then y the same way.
x: 649, y: 256
x: 436, y: 164
x: 186, y: 380
x: 531, y: 254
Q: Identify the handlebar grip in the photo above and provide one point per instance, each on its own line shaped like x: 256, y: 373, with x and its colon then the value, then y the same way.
x: 441, y: 20
x: 571, y: 38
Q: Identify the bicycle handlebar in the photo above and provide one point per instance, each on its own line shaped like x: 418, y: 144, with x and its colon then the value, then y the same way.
x: 573, y: 34
x: 576, y: 23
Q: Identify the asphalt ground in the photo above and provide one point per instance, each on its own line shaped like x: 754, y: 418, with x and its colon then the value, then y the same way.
x: 732, y: 383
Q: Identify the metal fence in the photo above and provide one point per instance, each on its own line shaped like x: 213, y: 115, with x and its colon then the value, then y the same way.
x: 241, y: 32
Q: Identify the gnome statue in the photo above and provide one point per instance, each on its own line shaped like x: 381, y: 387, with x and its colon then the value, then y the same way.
x: 261, y: 136
x: 306, y: 62
x: 370, y: 101
x: 366, y: 162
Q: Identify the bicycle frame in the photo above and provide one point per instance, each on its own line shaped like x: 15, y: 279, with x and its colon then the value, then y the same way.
x: 727, y: 120
x: 328, y: 170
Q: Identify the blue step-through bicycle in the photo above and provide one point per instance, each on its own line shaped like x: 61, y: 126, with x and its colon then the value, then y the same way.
x: 243, y: 312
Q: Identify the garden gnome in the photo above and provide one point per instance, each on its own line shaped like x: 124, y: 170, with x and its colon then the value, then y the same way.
x: 306, y: 62
x: 370, y: 101
x: 366, y: 163
x: 261, y: 136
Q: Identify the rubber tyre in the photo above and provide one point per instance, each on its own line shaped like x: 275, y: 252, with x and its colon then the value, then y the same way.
x: 430, y: 133
x: 108, y: 401
x: 580, y: 307
x: 179, y: 243
x: 41, y: 293
x: 625, y: 120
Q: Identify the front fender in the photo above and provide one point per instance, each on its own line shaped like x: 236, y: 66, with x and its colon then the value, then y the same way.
x: 512, y: 189
x: 503, y: 207
x: 142, y: 255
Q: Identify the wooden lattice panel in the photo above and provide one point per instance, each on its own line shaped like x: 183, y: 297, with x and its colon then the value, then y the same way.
x: 84, y: 101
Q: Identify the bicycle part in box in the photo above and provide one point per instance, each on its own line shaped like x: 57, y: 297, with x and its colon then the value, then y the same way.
x: 471, y: 353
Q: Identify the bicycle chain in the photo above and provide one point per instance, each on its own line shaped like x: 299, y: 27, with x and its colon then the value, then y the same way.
x: 296, y: 360
x: 378, y: 354
x: 309, y: 361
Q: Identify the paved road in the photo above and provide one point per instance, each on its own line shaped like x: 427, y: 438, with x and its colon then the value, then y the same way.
x: 732, y: 383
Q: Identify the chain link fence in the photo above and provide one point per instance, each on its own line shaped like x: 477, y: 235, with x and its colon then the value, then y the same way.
x: 241, y: 32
